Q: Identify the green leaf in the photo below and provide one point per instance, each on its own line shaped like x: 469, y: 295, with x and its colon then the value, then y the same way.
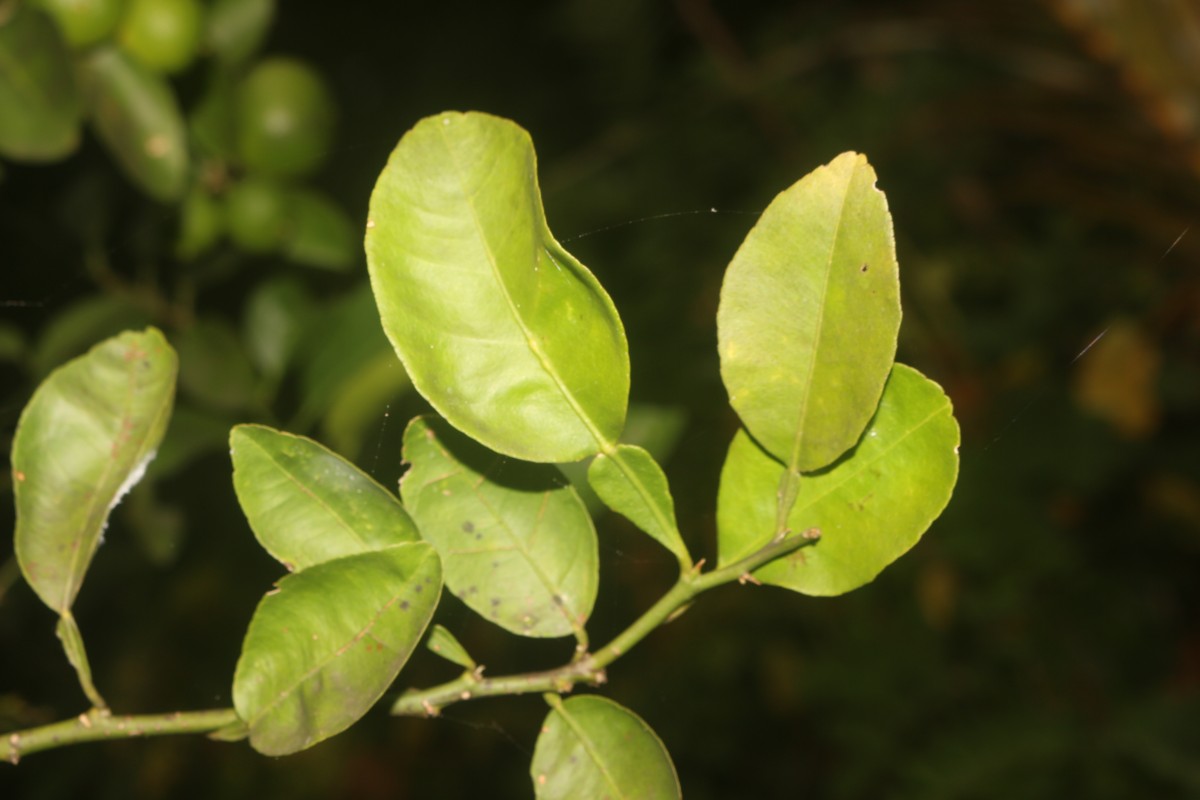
x: 505, y: 333
x: 308, y: 505
x: 234, y: 29
x: 362, y: 401
x: 870, y: 507
x: 342, y: 340
x: 640, y: 493
x: 40, y: 109
x: 84, y: 440
x: 517, y: 543
x: 320, y: 234
x: 592, y: 748
x: 327, y: 642
x: 442, y: 642
x: 809, y: 313
x: 275, y: 319
x: 136, y: 116
x: 215, y: 371
x: 78, y: 326
x: 654, y: 428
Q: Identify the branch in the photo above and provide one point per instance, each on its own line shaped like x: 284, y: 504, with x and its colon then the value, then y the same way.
x: 591, y: 668
x: 97, y: 725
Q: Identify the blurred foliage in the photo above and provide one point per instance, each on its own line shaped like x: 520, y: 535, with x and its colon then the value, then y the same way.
x: 1040, y: 163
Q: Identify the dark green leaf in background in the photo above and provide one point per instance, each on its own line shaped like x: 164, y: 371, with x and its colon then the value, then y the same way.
x: 517, y: 543
x: 324, y: 646
x: 136, y: 115
x: 40, y: 109
x: 507, y: 335
x: 319, y: 233
x: 84, y: 440
x: 214, y: 369
x: 870, y: 507
x: 234, y: 29
x: 307, y: 504
x: 591, y: 748
x: 809, y: 313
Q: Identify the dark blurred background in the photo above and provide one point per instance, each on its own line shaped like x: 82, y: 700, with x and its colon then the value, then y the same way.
x: 1041, y: 162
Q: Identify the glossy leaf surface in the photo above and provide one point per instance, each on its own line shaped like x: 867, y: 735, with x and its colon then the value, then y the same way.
x: 324, y: 646
x: 505, y: 333
x: 40, y: 110
x: 809, y: 312
x: 870, y: 507
x: 84, y: 440
x: 135, y: 114
x: 308, y: 505
x: 517, y: 543
x: 640, y: 493
x: 591, y: 747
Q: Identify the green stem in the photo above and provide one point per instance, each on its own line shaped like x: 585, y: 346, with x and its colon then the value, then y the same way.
x: 591, y: 668
x: 96, y: 725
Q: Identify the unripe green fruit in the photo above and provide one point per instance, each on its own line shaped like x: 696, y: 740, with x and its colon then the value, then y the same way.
x: 84, y: 22
x: 256, y: 215
x: 162, y: 34
x: 284, y: 118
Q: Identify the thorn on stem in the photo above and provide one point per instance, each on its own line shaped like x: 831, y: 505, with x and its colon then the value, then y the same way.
x: 746, y: 577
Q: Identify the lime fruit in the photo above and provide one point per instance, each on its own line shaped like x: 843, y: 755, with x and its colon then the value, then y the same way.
x: 84, y: 22
x: 163, y: 35
x: 256, y: 215
x: 284, y: 117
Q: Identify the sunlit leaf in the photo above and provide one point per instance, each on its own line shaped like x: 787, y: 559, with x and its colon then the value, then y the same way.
x: 84, y: 440
x: 40, y: 109
x: 809, y: 313
x: 639, y: 492
x: 870, y: 507
x: 591, y: 748
x: 327, y: 642
x: 136, y: 115
x: 505, y: 333
x: 308, y: 505
x: 517, y: 543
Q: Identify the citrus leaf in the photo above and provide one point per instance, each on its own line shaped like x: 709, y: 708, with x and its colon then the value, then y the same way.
x: 308, y: 505
x: 136, y: 115
x: 319, y: 233
x: 517, y: 543
x: 591, y: 747
x: 80, y: 325
x: 809, y: 313
x: 640, y: 493
x: 235, y: 29
x: 340, y: 341
x: 40, y: 109
x: 508, y: 336
x: 442, y: 642
x: 214, y: 369
x: 84, y: 440
x: 327, y: 642
x: 870, y: 507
